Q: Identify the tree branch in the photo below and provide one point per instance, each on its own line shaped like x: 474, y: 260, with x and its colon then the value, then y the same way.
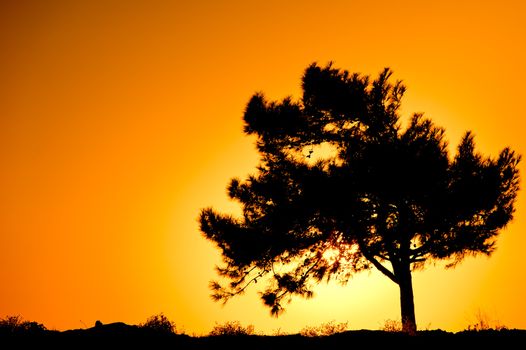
x: 252, y: 280
x: 377, y: 264
x: 382, y: 256
x: 418, y: 252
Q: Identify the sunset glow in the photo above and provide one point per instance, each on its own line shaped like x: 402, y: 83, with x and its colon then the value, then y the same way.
x: 121, y: 119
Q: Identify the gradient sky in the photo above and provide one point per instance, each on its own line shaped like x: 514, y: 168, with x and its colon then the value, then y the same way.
x: 119, y: 120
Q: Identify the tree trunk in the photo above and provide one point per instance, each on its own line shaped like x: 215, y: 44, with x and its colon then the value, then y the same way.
x: 407, y: 304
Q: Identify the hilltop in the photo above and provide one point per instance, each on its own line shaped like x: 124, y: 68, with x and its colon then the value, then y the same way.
x: 121, y: 334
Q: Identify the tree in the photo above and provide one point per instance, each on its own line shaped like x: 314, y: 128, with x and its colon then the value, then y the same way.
x: 342, y: 186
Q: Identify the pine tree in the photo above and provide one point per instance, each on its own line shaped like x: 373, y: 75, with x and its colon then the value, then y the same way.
x: 343, y: 187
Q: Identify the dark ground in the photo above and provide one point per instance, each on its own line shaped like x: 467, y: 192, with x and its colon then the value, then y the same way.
x: 120, y: 335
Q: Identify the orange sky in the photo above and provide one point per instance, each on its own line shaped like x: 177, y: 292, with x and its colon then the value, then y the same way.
x: 119, y: 120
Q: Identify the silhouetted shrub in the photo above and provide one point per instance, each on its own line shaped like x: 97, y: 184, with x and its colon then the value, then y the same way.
x: 16, y: 325
x: 392, y: 326
x: 160, y: 324
x: 324, y: 329
x: 232, y: 328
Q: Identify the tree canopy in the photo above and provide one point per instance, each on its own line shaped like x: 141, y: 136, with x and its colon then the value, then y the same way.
x: 344, y: 186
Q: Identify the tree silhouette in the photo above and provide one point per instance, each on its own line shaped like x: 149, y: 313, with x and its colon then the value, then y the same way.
x: 342, y: 186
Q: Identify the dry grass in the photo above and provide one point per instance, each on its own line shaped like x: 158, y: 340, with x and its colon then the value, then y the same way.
x: 483, y: 322
x: 232, y: 328
x: 391, y: 326
x: 325, y: 329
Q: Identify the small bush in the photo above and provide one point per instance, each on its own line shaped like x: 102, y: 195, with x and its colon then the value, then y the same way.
x: 232, y: 328
x: 16, y: 325
x: 324, y: 329
x: 160, y: 324
x: 392, y: 326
